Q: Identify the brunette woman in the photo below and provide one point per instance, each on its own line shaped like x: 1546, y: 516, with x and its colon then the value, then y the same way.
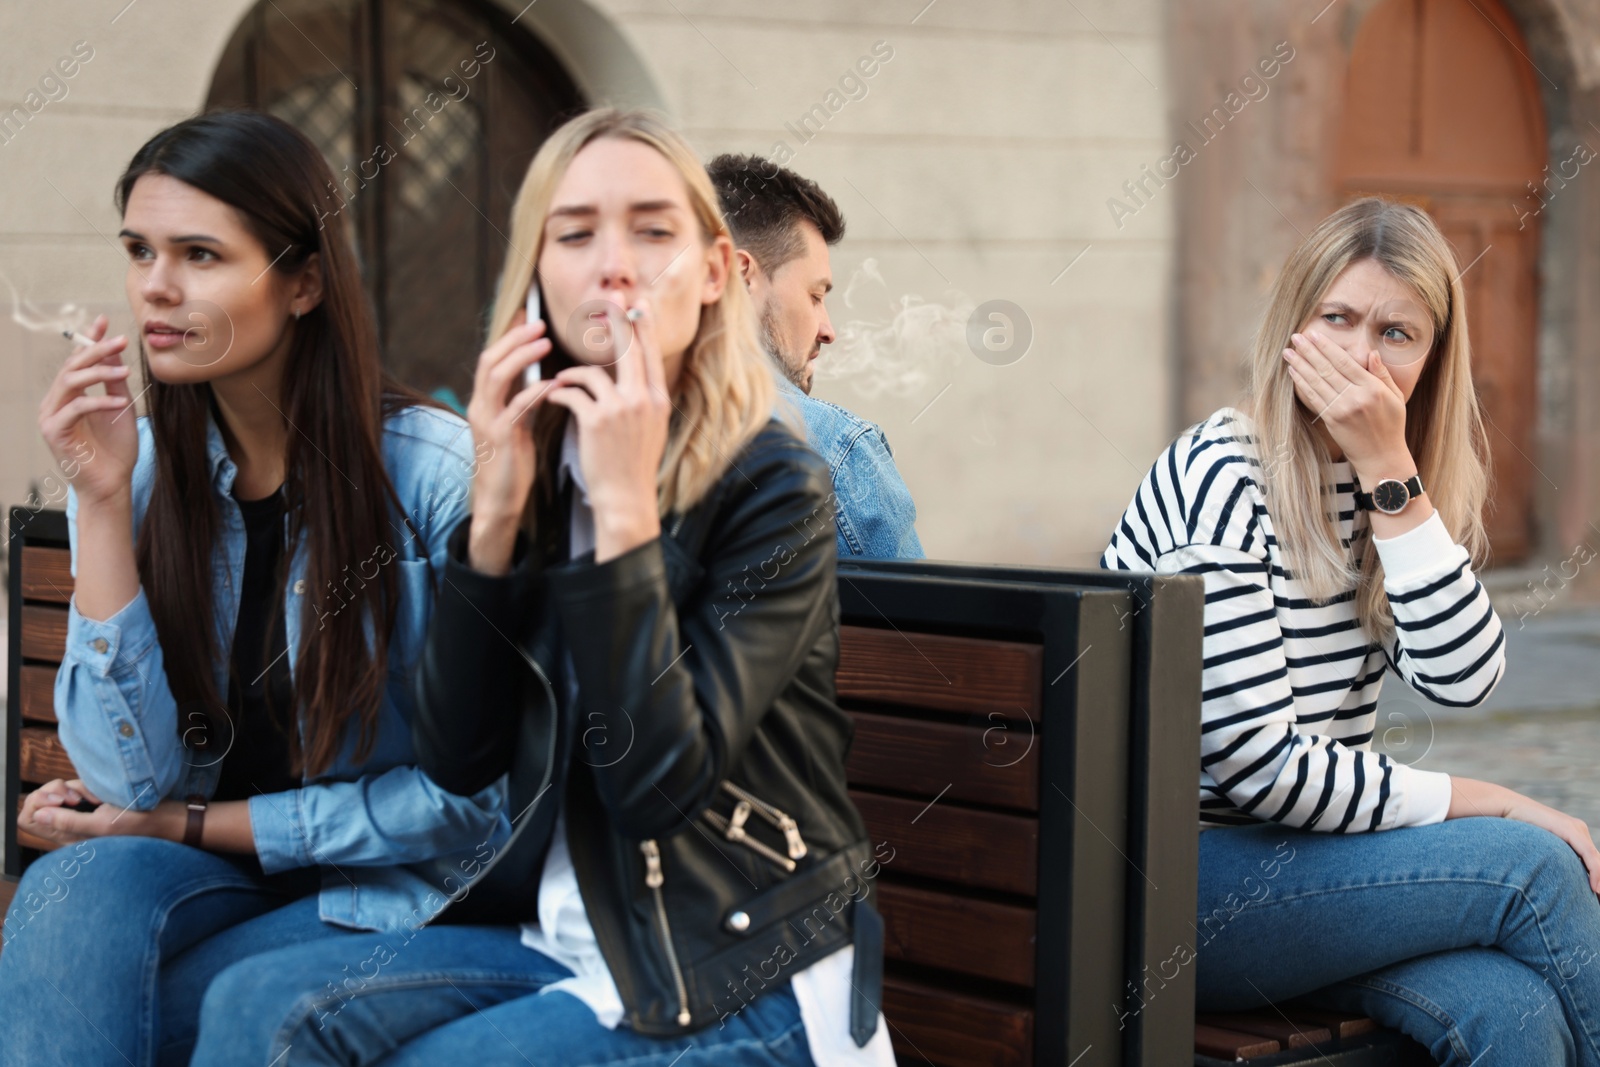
x: 1336, y: 519
x: 254, y: 564
x: 639, y: 623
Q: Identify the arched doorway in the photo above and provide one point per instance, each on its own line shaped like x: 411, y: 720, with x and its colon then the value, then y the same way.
x: 429, y: 112
x: 1443, y: 109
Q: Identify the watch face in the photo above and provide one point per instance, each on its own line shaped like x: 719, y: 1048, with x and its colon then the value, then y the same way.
x: 1390, y: 496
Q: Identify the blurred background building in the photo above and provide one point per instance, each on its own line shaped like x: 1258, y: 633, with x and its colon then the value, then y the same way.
x: 1124, y: 176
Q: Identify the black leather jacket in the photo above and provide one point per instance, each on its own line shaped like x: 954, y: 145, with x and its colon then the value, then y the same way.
x: 701, y: 771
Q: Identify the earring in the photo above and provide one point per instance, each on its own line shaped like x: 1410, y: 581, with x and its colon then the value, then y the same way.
x: 297, y: 314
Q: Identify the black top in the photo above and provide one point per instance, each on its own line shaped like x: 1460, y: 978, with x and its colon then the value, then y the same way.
x: 260, y: 695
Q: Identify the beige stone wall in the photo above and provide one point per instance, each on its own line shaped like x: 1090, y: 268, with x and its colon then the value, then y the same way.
x: 973, y: 165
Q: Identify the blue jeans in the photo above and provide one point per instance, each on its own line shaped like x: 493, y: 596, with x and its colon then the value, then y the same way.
x: 110, y: 944
x: 452, y: 994
x: 1478, y: 937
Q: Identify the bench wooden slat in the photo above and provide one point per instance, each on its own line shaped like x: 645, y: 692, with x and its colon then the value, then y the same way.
x: 46, y: 574
x: 996, y: 764
x: 1342, y: 1023
x: 953, y: 843
x: 964, y: 674
x: 42, y: 757
x: 1268, y: 1023
x: 973, y: 937
x: 44, y: 632
x: 37, y: 701
x: 1231, y: 1044
x: 931, y: 1025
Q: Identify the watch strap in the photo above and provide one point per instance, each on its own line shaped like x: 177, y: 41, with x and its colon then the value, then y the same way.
x: 197, y: 820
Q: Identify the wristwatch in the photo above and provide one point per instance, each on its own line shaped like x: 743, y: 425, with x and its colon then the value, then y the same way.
x: 1391, y: 495
x: 196, y: 821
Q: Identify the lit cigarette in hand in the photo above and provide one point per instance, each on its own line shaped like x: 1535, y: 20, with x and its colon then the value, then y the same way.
x: 77, y: 338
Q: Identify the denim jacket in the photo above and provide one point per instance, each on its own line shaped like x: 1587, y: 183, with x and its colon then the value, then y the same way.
x: 875, y: 513
x: 389, y: 841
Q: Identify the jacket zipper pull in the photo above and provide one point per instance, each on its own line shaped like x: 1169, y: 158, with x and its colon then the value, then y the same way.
x: 791, y: 834
x: 737, y: 833
x: 652, y: 864
x: 741, y: 815
x: 783, y: 821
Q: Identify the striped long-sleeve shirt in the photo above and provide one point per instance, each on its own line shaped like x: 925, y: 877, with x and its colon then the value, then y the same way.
x: 1290, y: 687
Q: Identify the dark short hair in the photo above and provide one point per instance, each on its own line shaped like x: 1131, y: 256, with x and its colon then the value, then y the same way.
x: 764, y: 205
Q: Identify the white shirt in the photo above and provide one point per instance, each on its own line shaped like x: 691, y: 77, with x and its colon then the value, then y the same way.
x: 563, y: 932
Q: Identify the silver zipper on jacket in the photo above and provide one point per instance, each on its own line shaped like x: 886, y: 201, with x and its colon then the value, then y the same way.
x: 789, y: 828
x: 653, y: 878
x: 733, y: 830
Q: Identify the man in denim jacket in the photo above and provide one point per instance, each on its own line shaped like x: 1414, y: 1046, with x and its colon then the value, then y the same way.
x: 783, y: 225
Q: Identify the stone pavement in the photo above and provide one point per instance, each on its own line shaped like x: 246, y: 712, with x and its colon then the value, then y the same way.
x: 1539, y: 731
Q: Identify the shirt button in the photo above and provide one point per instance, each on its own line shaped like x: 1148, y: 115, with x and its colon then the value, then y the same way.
x: 299, y: 586
x: 99, y: 644
x: 126, y: 729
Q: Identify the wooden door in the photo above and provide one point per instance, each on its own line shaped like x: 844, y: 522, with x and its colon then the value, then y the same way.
x: 1442, y: 109
x: 429, y: 112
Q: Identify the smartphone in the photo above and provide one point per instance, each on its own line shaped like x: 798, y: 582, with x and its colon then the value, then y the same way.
x: 556, y: 360
x: 534, y: 310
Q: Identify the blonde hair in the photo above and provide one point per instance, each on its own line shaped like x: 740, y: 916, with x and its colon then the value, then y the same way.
x: 1444, y: 427
x: 725, y: 391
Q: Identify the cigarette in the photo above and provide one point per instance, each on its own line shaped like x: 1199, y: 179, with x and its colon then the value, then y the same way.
x: 77, y: 338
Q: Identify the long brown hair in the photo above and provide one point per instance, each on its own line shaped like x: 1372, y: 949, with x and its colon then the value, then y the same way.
x: 337, y: 493
x: 1444, y: 426
x: 725, y: 391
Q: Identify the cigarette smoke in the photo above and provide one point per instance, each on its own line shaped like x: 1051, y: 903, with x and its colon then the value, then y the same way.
x: 30, y: 316
x: 898, y: 351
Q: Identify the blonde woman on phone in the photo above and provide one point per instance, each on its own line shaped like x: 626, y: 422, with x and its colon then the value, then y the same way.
x: 1336, y: 518
x: 639, y: 628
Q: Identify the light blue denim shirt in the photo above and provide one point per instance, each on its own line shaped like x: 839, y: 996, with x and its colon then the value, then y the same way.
x: 393, y: 846
x: 875, y: 514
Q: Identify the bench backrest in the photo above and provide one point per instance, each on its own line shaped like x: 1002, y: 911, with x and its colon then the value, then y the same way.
x: 945, y: 771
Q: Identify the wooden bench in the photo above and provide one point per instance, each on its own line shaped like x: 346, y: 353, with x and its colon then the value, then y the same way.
x: 39, y: 588
x: 1282, y: 1035
x: 1007, y: 750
